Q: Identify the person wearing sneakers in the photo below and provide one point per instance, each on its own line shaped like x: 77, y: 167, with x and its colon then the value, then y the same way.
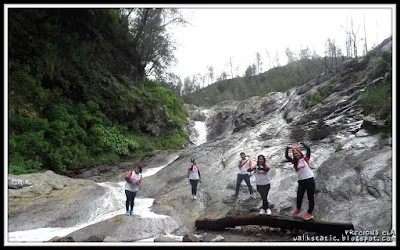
x: 262, y: 181
x: 305, y: 178
x: 194, y: 177
x: 131, y: 188
x: 243, y: 165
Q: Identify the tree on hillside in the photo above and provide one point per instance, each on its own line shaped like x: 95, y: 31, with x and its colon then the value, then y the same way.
x: 351, y: 41
x: 365, y: 38
x: 339, y: 54
x: 204, y: 79
x: 237, y: 71
x: 269, y: 59
x: 230, y: 64
x: 348, y: 44
x: 331, y: 52
x: 253, y: 69
x: 259, y: 63
x: 305, y: 54
x: 249, y: 72
x: 196, y: 79
x: 173, y: 82
x: 354, y: 34
x: 314, y: 54
x: 153, y: 44
x: 179, y: 87
x: 326, y: 55
x: 290, y: 55
x: 211, y: 73
x: 223, y: 76
x: 277, y: 59
x: 188, y: 86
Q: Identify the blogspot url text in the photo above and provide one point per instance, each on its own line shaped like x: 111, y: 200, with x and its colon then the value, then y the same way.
x: 350, y: 236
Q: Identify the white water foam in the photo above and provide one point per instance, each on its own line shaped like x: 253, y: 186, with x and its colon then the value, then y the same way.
x: 202, y: 131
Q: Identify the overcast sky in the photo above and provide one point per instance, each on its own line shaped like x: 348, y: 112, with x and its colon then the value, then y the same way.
x: 240, y: 32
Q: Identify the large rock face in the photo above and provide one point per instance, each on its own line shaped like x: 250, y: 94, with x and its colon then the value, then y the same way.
x: 356, y: 184
x: 220, y: 124
x: 340, y: 110
x: 127, y: 228
x: 254, y: 110
x: 195, y: 113
x: 51, y: 201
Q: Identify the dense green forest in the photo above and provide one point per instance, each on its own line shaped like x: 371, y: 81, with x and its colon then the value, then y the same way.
x: 79, y: 95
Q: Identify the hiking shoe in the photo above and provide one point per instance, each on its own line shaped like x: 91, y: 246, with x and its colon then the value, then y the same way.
x: 268, y: 211
x: 127, y: 213
x: 194, y: 197
x: 262, y: 211
x: 308, y: 216
x: 130, y: 212
x: 296, y: 211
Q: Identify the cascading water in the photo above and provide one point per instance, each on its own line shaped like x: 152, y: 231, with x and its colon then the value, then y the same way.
x: 112, y: 204
x: 201, y: 129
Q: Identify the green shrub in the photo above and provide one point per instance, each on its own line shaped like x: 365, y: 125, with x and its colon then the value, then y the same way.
x: 316, y: 98
x: 377, y: 99
x: 378, y: 66
x: 18, y: 165
x: 338, y: 148
x: 114, y: 140
x: 174, y: 140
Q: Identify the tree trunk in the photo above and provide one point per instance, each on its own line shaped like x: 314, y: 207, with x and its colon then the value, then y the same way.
x: 277, y: 221
x: 327, y: 69
x: 365, y: 38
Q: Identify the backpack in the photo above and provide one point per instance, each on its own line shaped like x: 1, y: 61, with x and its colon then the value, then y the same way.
x: 128, y: 175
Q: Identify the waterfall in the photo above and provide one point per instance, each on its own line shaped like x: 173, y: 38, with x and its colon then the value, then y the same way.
x: 201, y: 129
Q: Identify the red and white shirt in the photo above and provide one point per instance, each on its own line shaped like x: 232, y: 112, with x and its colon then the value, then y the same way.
x: 303, y: 169
x: 244, y: 166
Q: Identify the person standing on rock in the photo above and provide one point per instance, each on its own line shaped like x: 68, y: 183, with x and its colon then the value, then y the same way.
x: 243, y: 165
x: 262, y: 180
x: 194, y: 177
x: 131, y: 188
x: 305, y: 178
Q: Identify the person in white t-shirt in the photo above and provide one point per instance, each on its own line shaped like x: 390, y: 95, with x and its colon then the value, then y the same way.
x: 194, y: 177
x: 305, y: 178
x: 263, y: 183
x: 131, y: 188
x: 243, y: 165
